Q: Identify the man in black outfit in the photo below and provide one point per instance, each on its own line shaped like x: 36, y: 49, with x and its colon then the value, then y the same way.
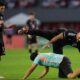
x: 61, y: 38
x: 32, y: 39
x: 2, y: 9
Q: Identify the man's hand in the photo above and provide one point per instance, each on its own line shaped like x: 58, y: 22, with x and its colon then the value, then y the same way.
x: 23, y: 30
x: 20, y: 31
x: 45, y: 46
x: 29, y: 36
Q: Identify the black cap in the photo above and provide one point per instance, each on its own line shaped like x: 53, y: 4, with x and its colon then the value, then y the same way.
x: 2, y: 3
x: 33, y: 56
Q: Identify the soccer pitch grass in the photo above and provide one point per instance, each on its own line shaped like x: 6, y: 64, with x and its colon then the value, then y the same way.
x: 14, y: 65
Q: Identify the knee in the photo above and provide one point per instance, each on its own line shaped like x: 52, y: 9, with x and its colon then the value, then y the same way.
x: 71, y: 76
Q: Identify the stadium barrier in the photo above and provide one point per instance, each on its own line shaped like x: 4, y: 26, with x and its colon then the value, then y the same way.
x: 20, y: 41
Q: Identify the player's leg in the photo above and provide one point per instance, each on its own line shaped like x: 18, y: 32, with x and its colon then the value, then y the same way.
x: 9, y: 39
x: 65, y: 67
x: 36, y: 47
x: 30, y: 48
x: 74, y: 74
x: 29, y: 45
x: 58, y: 48
x: 35, y: 41
x: 1, y: 50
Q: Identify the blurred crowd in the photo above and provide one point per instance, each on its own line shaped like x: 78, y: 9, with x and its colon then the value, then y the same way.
x: 12, y: 4
x: 61, y: 3
x: 54, y: 26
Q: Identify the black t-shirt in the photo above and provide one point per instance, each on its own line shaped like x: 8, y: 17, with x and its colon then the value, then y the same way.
x: 70, y: 36
x: 1, y: 29
x: 70, y: 39
x: 32, y: 25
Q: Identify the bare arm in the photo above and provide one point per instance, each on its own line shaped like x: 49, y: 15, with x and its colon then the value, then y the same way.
x: 44, y: 72
x: 46, y: 34
x: 30, y: 70
x: 1, y: 22
x: 60, y: 36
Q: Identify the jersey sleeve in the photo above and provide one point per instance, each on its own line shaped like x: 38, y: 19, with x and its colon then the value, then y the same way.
x: 69, y: 34
x: 36, y: 61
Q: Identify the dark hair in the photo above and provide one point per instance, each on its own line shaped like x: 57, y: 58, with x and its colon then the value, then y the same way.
x: 31, y: 13
x: 33, y: 56
x: 2, y: 3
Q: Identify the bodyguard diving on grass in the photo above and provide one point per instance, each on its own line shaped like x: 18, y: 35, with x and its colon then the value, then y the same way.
x: 59, y: 38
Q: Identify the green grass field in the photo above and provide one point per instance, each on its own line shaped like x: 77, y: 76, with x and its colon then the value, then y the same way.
x: 14, y: 65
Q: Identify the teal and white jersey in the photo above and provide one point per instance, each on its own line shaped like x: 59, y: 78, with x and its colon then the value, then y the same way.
x: 49, y: 59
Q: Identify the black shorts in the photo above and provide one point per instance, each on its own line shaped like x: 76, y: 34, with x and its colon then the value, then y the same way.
x: 65, y: 66
x: 33, y: 40
x: 9, y: 36
x: 1, y: 50
x: 58, y: 46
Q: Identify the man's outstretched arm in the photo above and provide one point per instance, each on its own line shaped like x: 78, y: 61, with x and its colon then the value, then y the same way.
x: 30, y: 70
x: 54, y: 39
x: 46, y: 34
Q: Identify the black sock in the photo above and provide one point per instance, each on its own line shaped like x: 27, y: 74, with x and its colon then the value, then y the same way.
x: 30, y: 51
x: 36, y: 51
x: 78, y: 76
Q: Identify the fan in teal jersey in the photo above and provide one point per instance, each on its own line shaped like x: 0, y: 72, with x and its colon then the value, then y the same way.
x: 51, y: 60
